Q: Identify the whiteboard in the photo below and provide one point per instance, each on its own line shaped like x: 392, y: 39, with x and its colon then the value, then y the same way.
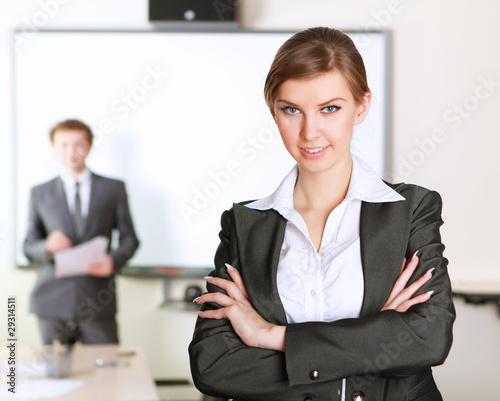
x: 179, y: 116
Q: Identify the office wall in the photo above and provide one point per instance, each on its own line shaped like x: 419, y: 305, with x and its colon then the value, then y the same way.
x: 446, y: 97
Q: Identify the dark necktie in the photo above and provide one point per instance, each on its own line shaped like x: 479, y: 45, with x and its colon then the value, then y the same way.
x: 77, y: 216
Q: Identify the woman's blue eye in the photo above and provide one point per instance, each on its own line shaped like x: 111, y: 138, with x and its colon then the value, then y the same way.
x: 290, y: 110
x: 330, y: 109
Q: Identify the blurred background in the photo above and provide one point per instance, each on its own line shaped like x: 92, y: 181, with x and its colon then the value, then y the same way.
x: 443, y: 134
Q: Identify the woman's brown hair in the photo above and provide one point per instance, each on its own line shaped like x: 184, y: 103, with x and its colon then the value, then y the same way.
x: 315, y: 51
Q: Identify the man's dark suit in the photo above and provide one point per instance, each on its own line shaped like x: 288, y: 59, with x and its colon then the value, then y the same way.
x: 82, y: 298
x: 385, y: 356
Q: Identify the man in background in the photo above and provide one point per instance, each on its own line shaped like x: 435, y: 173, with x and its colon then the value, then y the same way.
x: 71, y: 209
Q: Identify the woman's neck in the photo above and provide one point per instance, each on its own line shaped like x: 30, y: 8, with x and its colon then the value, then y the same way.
x: 322, y: 191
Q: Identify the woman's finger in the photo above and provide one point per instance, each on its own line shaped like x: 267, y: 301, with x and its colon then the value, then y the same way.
x: 415, y: 286
x: 404, y: 277
x: 408, y: 271
x: 237, y: 279
x: 232, y: 289
x: 216, y: 297
x: 403, y: 265
x: 213, y: 314
x: 409, y: 291
x: 420, y: 299
x: 405, y: 295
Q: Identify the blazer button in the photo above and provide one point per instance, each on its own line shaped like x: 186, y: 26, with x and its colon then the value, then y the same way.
x: 314, y: 375
x: 308, y: 399
x: 358, y: 395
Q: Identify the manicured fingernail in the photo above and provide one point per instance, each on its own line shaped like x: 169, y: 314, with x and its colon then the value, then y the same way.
x: 208, y: 277
x: 196, y: 299
x: 415, y: 254
x: 229, y: 267
x: 429, y: 293
x: 430, y: 271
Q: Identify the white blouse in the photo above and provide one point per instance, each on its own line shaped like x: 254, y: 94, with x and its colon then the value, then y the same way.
x: 326, y: 285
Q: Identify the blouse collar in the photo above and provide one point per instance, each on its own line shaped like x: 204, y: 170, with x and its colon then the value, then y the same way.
x: 364, y: 185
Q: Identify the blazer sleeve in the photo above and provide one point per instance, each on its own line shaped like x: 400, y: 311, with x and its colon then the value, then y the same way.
x: 387, y: 343
x: 128, y: 242
x: 34, y: 243
x: 223, y: 366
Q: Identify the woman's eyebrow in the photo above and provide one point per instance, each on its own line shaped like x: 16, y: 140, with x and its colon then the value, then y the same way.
x: 321, y: 104
x: 285, y: 101
x: 332, y: 100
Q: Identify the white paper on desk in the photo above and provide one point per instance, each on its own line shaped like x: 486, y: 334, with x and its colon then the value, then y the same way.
x: 40, y: 389
x: 26, y: 368
x: 73, y: 261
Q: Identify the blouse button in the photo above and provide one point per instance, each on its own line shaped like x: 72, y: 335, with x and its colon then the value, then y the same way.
x: 313, y: 293
x: 322, y: 255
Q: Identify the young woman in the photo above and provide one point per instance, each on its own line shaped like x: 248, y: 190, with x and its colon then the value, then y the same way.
x: 312, y: 297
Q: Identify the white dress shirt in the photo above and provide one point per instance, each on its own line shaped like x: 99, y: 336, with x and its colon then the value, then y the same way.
x: 85, y: 181
x: 324, y: 285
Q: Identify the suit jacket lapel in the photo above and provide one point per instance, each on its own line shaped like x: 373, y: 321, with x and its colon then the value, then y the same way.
x: 61, y: 206
x: 383, y: 237
x: 259, y: 235
x: 95, y: 194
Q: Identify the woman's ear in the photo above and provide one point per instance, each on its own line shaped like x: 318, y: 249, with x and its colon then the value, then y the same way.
x: 363, y: 108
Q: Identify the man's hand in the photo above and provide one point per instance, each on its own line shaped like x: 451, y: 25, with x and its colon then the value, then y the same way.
x: 101, y: 268
x: 56, y: 241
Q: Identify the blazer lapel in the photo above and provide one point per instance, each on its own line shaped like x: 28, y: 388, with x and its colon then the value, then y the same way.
x: 383, y: 236
x: 384, y: 231
x: 259, y: 235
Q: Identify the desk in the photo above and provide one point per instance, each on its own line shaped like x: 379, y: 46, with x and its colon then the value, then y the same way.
x: 130, y: 380
x: 478, y: 292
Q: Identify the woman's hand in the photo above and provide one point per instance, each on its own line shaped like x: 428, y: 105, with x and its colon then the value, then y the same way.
x: 400, y: 298
x: 251, y: 327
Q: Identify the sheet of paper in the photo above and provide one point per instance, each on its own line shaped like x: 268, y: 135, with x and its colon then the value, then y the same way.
x: 73, y: 261
x: 26, y: 369
x: 40, y: 389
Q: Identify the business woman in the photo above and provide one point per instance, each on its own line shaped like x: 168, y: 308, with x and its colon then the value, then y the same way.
x: 334, y: 287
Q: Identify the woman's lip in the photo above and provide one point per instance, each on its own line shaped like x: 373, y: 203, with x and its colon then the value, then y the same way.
x: 314, y: 155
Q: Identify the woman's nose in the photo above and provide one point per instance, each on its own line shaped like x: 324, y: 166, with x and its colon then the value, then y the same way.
x: 311, y: 129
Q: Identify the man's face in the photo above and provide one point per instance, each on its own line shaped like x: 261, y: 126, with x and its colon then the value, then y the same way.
x: 71, y: 147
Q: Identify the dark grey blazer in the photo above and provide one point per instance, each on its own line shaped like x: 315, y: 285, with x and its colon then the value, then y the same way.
x: 86, y: 297
x: 385, y: 355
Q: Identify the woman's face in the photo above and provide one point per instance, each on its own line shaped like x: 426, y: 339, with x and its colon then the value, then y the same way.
x: 315, y: 117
